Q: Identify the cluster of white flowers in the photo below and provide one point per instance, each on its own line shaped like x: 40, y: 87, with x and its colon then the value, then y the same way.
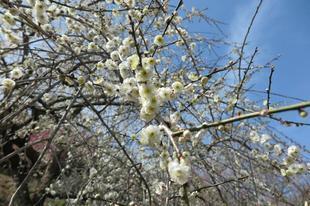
x: 265, y: 140
x: 110, y: 64
x: 40, y: 12
x: 16, y: 73
x: 159, y: 40
x: 92, y: 47
x: 9, y: 18
x: 164, y: 160
x: 150, y: 101
x: 290, y: 166
x: 8, y: 84
x: 293, y: 151
x: 180, y: 171
x: 177, y: 87
x: 11, y: 37
x: 150, y: 135
x: 112, y: 44
x: 138, y: 69
x: 293, y: 169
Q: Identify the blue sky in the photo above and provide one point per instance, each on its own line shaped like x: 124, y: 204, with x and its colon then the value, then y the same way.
x: 282, y: 27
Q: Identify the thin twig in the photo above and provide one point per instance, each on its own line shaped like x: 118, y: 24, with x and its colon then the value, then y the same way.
x: 246, y: 37
x: 269, y: 86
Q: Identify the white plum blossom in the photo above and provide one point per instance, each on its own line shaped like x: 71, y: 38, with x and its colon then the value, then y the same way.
x: 111, y: 45
x: 109, y: 88
x: 150, y: 135
x: 133, y: 61
x: 114, y: 55
x: 185, y: 159
x: 179, y: 172
x: 204, y: 81
x: 293, y: 169
x: 283, y: 172
x: 128, y: 42
x: 303, y: 113
x: 146, y: 91
x: 149, y: 108
x: 129, y: 84
x: 40, y: 12
x: 9, y: 18
x: 192, y: 45
x: 144, y: 74
x: 16, y: 73
x: 8, y: 84
x: 123, y: 51
x: 124, y: 70
x: 177, y: 87
x: 13, y: 38
x: 216, y: 98
x: 110, y: 64
x: 293, y: 151
x: 146, y: 116
x: 296, y: 168
x: 92, y: 46
x: 159, y: 40
x: 164, y: 160
x: 148, y: 62
x: 165, y: 93
x: 100, y: 65
x: 127, y: 90
x: 277, y: 149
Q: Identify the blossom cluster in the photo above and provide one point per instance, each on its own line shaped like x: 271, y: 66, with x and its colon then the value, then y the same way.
x: 137, y: 100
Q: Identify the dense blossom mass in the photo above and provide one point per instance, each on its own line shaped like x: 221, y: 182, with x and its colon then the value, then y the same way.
x: 120, y: 102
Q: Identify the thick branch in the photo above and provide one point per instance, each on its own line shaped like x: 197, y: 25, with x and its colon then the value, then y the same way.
x: 247, y: 116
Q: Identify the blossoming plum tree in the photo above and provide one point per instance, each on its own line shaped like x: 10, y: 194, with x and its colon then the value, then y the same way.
x: 118, y: 103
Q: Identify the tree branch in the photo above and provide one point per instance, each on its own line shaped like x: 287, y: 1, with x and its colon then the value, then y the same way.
x: 247, y: 116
